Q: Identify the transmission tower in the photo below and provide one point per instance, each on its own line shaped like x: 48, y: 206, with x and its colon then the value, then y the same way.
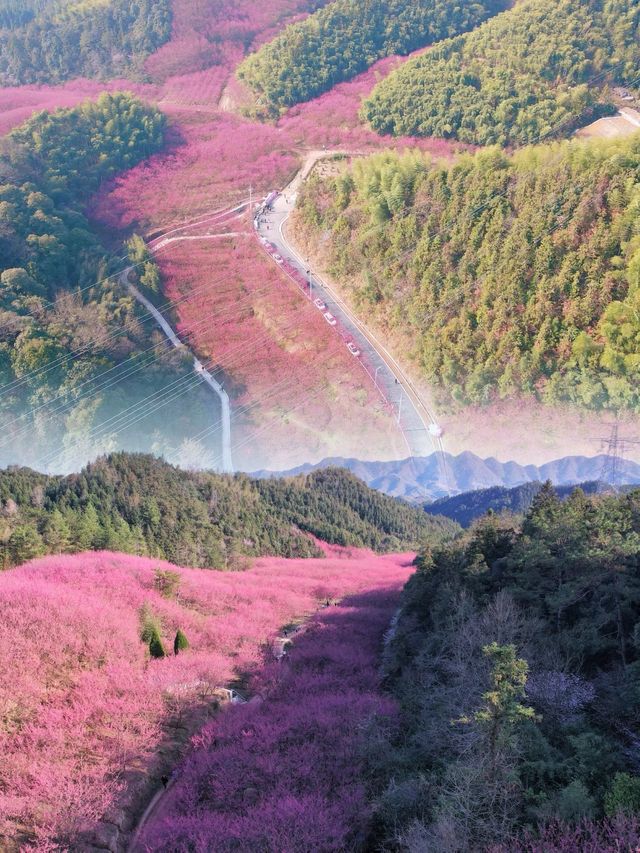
x: 615, y: 448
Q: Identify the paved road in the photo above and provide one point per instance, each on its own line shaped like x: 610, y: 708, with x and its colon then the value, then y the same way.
x: 412, y: 414
x: 207, y: 378
x: 414, y: 417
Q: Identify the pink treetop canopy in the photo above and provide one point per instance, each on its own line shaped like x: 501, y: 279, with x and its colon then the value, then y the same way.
x: 81, y: 702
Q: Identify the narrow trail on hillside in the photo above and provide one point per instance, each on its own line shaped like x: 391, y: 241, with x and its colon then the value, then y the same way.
x: 287, y: 767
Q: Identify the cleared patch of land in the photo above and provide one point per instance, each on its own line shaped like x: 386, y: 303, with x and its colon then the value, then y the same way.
x: 624, y: 123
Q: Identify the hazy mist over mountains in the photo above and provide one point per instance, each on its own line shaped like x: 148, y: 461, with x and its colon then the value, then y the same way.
x: 385, y: 254
x: 431, y: 477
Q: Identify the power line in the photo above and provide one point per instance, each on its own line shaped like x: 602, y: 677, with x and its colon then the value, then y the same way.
x: 111, y: 336
x: 272, y: 391
x: 38, y: 372
x: 135, y: 368
x: 157, y: 400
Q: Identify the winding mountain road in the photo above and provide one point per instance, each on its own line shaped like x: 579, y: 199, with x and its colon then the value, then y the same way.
x: 413, y: 415
x: 199, y: 368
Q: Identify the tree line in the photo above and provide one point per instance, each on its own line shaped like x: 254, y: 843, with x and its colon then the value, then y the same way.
x: 45, y: 42
x: 536, y: 70
x: 507, y: 275
x: 465, y: 508
x: 346, y: 37
x: 516, y: 660
x: 139, y: 504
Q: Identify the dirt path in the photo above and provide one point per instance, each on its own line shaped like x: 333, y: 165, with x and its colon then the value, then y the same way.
x: 157, y: 804
x: 161, y: 801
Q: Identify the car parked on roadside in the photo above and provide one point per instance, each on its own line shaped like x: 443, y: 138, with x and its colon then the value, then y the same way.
x: 320, y: 304
x: 331, y: 320
x: 278, y: 259
x: 353, y: 349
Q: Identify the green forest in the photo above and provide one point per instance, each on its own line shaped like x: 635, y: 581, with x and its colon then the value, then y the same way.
x: 506, y: 275
x: 75, y: 354
x: 16, y: 13
x: 44, y: 41
x: 142, y: 505
x: 465, y: 508
x: 538, y: 69
x: 346, y: 37
x: 516, y: 660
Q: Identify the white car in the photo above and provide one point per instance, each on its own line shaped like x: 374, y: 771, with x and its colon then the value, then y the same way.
x: 278, y: 259
x: 320, y: 304
x: 353, y: 349
x: 331, y: 320
x: 435, y: 430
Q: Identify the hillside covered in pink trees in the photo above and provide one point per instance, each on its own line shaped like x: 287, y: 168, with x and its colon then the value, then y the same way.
x: 212, y: 156
x: 490, y: 703
x: 290, y: 772
x: 217, y: 159
x: 89, y: 718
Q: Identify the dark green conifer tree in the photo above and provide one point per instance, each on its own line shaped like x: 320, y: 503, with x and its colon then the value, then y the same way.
x: 156, y: 647
x: 180, y: 644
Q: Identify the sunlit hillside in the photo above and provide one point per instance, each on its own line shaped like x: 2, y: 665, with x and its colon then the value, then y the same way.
x: 95, y: 702
x: 280, y: 282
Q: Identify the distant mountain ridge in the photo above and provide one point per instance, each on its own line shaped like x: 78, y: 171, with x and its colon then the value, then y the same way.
x: 435, y: 476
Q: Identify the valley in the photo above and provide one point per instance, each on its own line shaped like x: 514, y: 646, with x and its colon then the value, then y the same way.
x: 284, y: 328
x: 93, y: 764
x: 176, y: 188
x: 305, y: 306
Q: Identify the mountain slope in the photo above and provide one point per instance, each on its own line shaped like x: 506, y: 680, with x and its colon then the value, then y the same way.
x: 538, y: 69
x: 515, y: 657
x: 142, y: 505
x: 54, y: 41
x: 467, y: 507
x: 82, y: 368
x: 346, y: 37
x: 89, y: 717
x: 504, y: 276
